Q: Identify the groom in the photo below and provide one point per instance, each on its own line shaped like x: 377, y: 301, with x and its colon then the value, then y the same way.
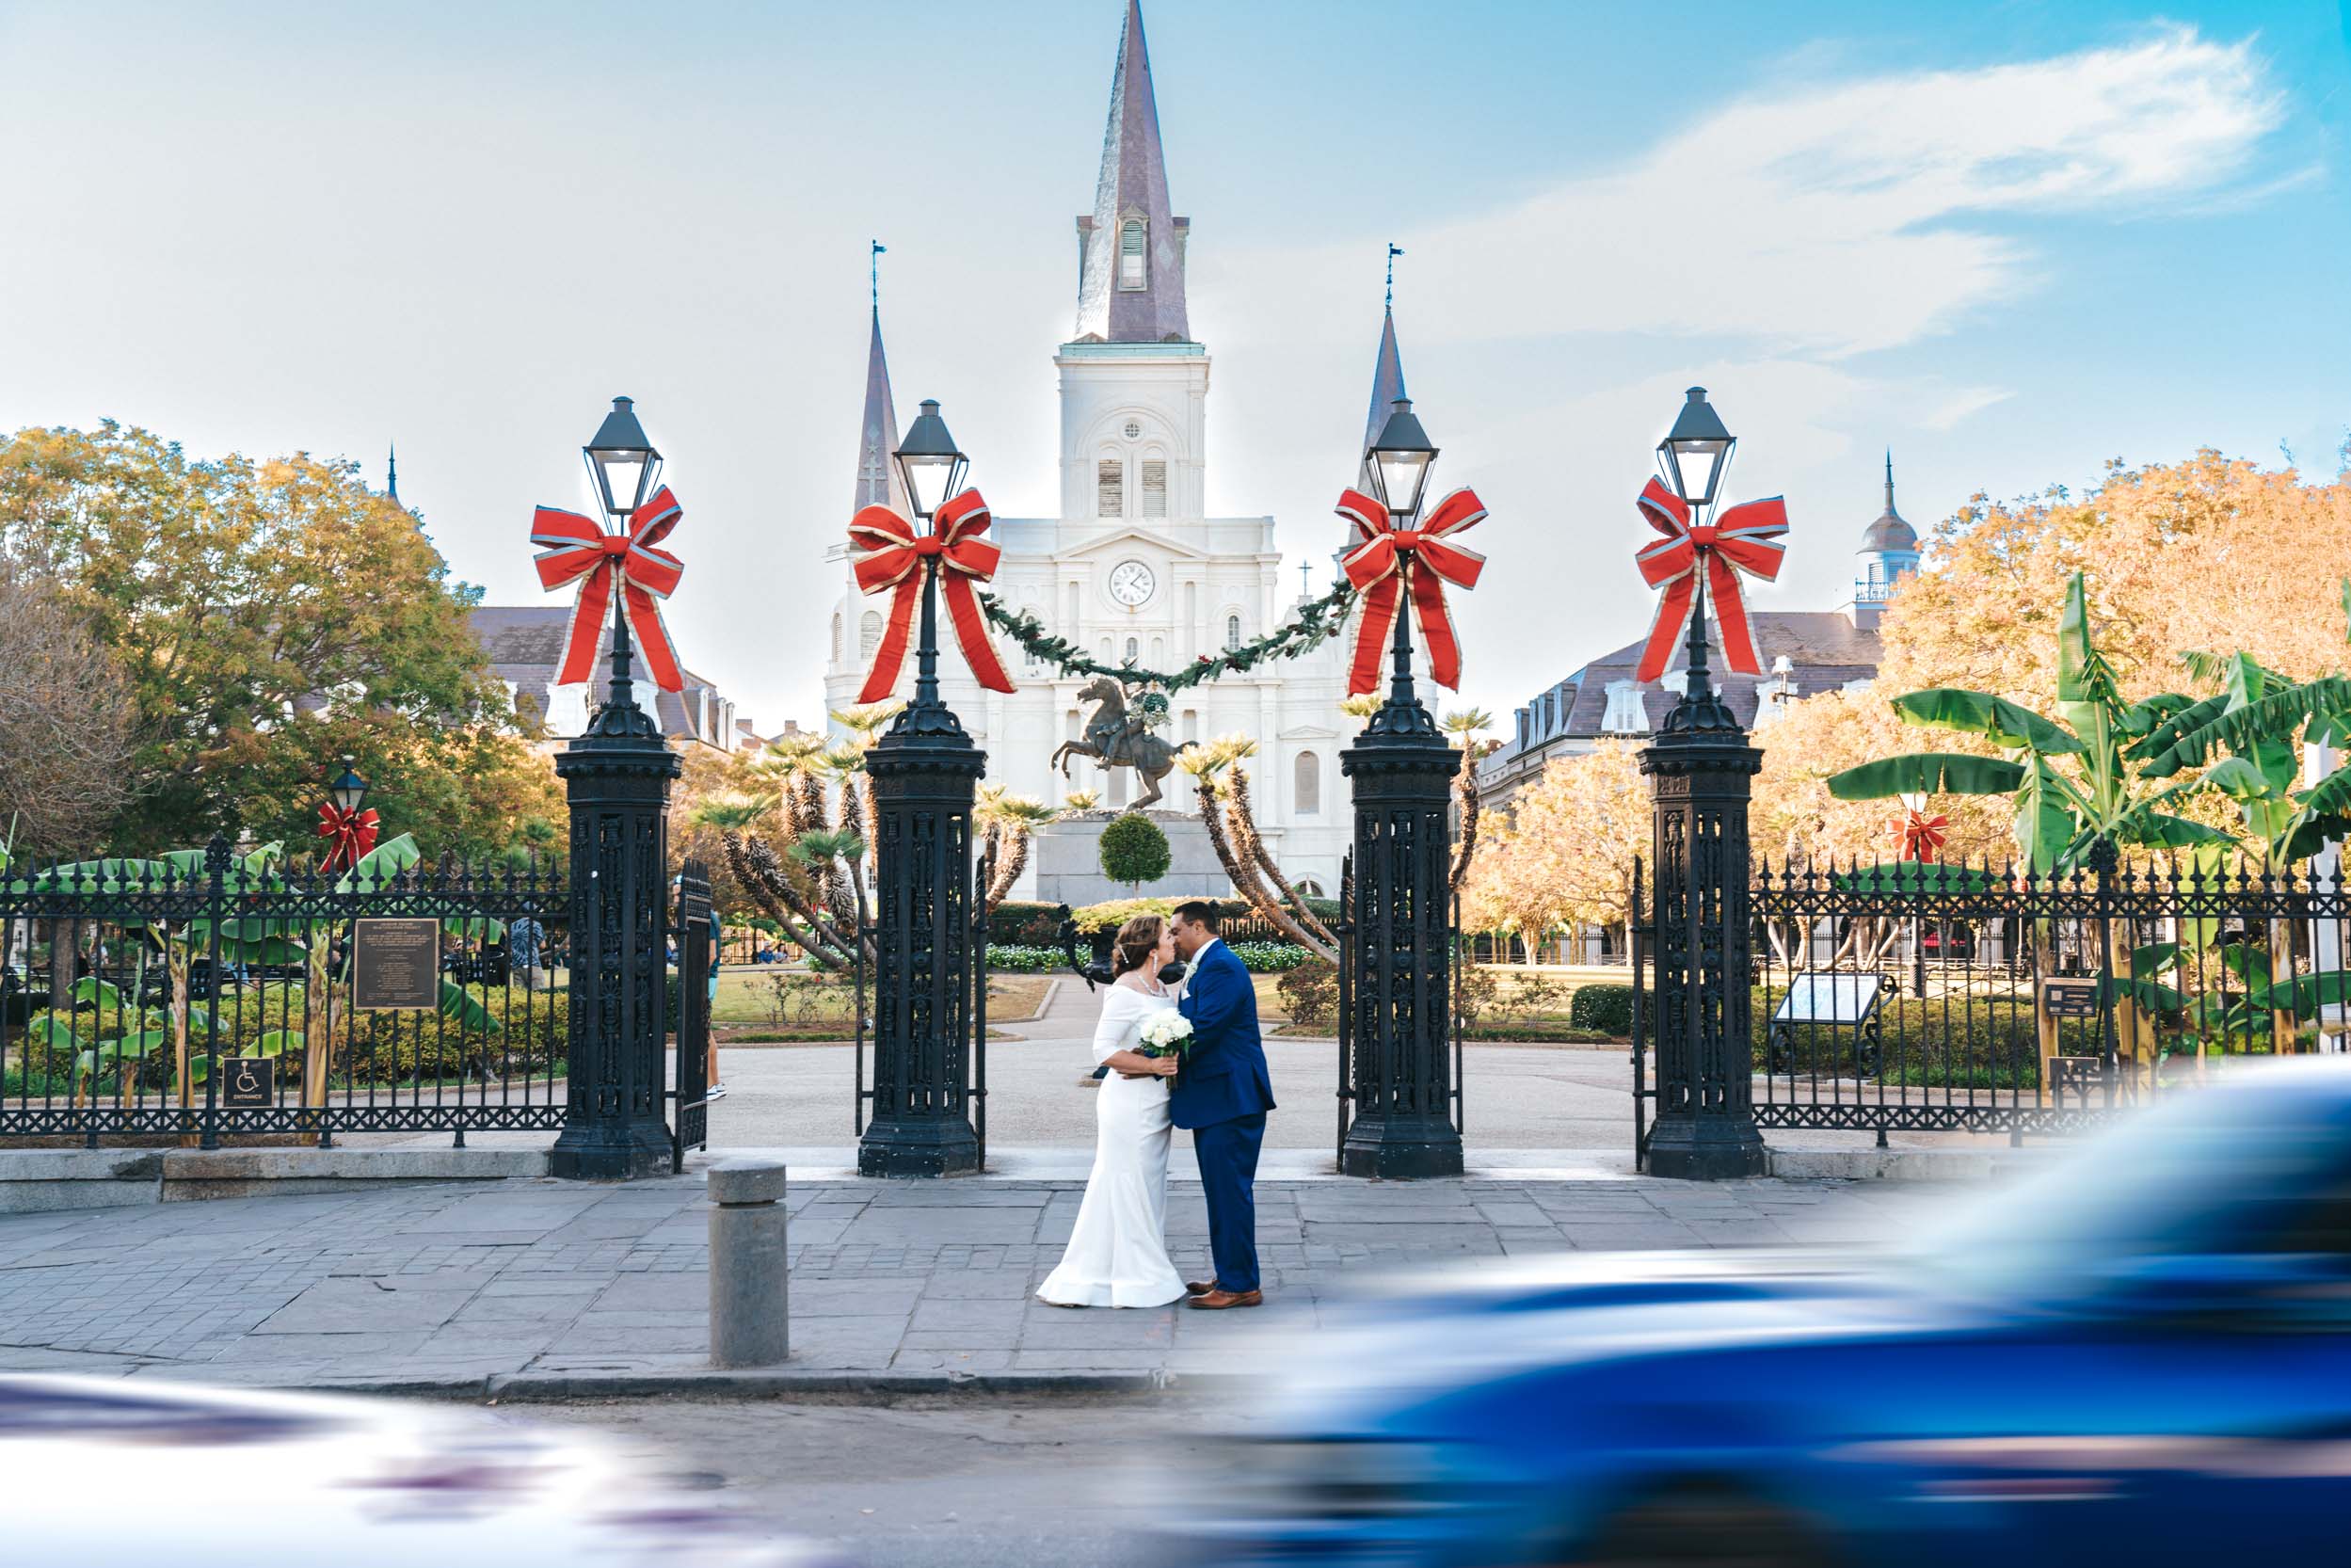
x: 1222, y: 1095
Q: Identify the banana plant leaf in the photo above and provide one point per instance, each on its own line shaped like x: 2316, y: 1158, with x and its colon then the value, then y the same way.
x: 91, y: 991
x: 465, y: 1009
x: 53, y: 1033
x: 1933, y: 773
x: 380, y: 865
x: 2245, y: 727
x: 2047, y: 824
x: 1912, y: 876
x: 1995, y: 718
x: 2302, y: 996
x: 2152, y: 995
x: 275, y: 1043
x: 2162, y: 830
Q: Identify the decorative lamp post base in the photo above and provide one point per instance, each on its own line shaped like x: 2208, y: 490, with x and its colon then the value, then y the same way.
x: 1689, y: 1150
x: 617, y: 776
x: 924, y: 774
x: 1401, y: 1148
x: 919, y: 1146
x: 1401, y: 769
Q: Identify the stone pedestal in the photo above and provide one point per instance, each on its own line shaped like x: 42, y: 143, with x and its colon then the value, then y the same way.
x: 1067, y: 855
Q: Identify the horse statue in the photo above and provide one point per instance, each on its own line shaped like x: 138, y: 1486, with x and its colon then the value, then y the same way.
x: 1118, y: 739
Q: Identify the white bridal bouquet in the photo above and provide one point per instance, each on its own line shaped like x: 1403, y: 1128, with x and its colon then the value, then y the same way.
x: 1167, y: 1033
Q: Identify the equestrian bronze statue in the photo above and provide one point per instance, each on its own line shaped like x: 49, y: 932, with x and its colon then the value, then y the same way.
x: 1117, y: 738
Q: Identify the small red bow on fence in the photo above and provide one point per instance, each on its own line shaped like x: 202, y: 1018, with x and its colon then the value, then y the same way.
x: 575, y: 549
x: 891, y: 555
x: 1745, y: 538
x: 1917, y: 836
x: 1389, y: 558
x: 349, y: 834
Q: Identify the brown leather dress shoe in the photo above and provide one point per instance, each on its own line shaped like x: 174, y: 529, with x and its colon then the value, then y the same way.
x: 1217, y: 1301
x: 1198, y: 1287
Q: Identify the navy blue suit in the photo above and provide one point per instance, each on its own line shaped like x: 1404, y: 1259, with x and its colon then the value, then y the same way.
x: 1223, y: 1095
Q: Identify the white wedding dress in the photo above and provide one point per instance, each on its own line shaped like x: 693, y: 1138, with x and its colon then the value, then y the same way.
x: 1117, y: 1253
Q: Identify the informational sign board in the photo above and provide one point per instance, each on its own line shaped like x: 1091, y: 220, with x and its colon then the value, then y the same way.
x: 2070, y: 999
x: 249, y: 1083
x: 395, y: 962
x: 1830, y: 999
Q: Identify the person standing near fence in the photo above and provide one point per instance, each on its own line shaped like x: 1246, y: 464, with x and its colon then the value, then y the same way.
x: 526, y: 942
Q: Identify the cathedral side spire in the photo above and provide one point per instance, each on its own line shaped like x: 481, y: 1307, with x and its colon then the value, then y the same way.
x: 879, y: 483
x: 1387, y: 372
x: 1130, y: 284
x: 391, y: 472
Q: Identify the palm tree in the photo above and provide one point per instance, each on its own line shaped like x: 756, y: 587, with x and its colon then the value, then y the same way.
x: 1011, y: 819
x: 1232, y: 827
x: 1466, y: 724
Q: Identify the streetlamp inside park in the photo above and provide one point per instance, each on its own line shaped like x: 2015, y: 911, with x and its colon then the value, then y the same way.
x: 1401, y: 770
x: 349, y: 790
x: 924, y: 771
x: 1699, y: 768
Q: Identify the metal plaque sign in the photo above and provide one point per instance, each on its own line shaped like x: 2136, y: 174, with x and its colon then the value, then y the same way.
x: 249, y: 1083
x: 395, y: 962
x: 1830, y: 999
x: 2070, y: 999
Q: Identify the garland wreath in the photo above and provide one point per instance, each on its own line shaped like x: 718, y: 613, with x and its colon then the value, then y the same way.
x: 1316, y: 622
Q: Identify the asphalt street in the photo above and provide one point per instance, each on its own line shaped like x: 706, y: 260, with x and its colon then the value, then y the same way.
x: 954, y: 1481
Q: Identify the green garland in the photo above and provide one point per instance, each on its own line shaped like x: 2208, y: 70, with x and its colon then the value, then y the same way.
x: 1316, y: 622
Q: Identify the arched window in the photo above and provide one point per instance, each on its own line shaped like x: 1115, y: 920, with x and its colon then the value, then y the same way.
x: 1309, y: 888
x: 869, y: 633
x: 837, y: 648
x: 1306, y: 787
x: 1130, y: 257
x: 1134, y: 650
x: 1159, y: 652
x: 1109, y: 489
x: 1155, y: 488
x: 1232, y: 632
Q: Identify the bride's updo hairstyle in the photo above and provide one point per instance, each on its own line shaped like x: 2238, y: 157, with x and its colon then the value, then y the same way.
x: 1138, y: 940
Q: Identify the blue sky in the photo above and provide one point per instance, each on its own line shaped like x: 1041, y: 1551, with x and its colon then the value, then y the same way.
x: 2010, y: 241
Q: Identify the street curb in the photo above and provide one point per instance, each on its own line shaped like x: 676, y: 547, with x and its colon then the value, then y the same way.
x: 779, y: 1382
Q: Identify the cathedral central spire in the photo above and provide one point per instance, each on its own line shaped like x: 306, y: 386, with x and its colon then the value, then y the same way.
x: 1130, y: 286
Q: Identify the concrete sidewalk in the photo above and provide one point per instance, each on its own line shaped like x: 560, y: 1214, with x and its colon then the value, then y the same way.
x: 541, y: 1289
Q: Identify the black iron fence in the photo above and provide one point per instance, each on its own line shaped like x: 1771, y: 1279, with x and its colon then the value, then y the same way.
x: 1966, y: 999
x: 207, y: 994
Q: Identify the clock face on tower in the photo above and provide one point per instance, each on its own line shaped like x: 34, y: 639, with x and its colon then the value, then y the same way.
x: 1131, y: 584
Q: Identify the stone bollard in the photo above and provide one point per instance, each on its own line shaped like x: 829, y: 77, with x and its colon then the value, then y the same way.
x: 750, y: 1317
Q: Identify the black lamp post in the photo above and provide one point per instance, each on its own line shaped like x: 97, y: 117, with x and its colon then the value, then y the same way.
x: 1699, y: 769
x: 616, y: 778
x: 924, y: 771
x: 349, y: 790
x: 1403, y: 769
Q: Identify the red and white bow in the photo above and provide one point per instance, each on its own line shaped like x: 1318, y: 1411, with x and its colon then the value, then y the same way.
x: 349, y: 834
x: 1387, y: 560
x: 576, y: 549
x: 1742, y: 538
x: 1917, y: 836
x: 890, y: 556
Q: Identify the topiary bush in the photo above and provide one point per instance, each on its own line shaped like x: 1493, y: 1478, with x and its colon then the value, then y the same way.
x: 1134, y: 850
x: 1605, y: 1007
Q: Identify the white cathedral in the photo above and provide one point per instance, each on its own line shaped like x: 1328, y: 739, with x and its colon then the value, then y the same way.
x: 1132, y: 570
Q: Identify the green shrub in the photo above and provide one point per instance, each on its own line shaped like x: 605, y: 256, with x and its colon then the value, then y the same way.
x: 1134, y: 850
x: 1474, y: 997
x: 1989, y: 1041
x: 1025, y: 958
x: 1605, y: 1007
x: 1309, y: 992
x: 1269, y: 957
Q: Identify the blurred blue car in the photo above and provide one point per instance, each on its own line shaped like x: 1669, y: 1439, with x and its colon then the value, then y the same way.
x: 2139, y: 1356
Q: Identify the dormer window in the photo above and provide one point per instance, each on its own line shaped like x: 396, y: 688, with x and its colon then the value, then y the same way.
x: 1131, y: 275
x: 1626, y: 714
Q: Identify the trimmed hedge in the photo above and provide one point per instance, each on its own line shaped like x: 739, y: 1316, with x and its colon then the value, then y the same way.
x: 1928, y: 1041
x: 1605, y: 1007
x: 1036, y: 958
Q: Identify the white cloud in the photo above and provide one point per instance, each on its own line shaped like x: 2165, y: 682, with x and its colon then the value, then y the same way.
x: 1830, y: 221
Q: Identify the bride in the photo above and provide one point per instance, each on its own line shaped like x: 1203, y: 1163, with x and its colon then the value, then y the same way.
x: 1117, y: 1253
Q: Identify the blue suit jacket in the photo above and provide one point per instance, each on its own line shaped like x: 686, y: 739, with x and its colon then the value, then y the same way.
x: 1224, y: 1075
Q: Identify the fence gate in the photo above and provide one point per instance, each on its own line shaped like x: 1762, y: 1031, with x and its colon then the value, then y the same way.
x: 1637, y: 934
x: 697, y: 958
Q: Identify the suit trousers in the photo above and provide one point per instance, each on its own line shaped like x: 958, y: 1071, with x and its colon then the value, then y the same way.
x: 1228, y: 1152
